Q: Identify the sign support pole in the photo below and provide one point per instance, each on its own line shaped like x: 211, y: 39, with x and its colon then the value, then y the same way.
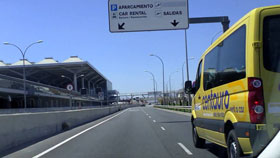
x: 187, y: 65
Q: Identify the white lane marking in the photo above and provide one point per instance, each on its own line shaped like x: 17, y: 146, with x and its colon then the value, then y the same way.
x: 76, y: 135
x: 144, y: 111
x: 133, y: 110
x: 185, y: 149
x: 147, y: 114
x: 162, y: 128
x: 154, y: 120
x: 150, y: 117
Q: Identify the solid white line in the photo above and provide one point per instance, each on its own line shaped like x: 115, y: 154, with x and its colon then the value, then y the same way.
x: 154, y: 120
x: 162, y: 128
x: 144, y: 111
x: 150, y: 117
x: 185, y: 149
x: 76, y: 135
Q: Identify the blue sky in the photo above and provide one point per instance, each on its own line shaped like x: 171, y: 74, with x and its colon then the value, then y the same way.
x: 81, y: 27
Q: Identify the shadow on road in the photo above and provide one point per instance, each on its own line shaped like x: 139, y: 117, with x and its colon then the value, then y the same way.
x: 217, y: 150
x: 175, y: 122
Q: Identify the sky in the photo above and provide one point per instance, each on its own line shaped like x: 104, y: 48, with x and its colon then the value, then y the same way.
x: 81, y: 27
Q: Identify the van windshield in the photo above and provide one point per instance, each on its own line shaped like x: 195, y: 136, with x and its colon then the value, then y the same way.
x: 271, y: 43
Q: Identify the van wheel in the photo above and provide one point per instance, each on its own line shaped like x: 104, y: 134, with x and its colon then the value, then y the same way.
x: 233, y: 147
x: 198, y: 142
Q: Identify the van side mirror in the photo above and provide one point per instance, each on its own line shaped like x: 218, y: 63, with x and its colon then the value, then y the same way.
x: 188, y: 87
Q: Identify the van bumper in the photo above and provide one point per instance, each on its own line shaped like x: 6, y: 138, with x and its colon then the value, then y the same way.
x: 253, y: 138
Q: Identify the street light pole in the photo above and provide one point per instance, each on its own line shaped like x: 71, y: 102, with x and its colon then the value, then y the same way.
x: 162, y: 75
x: 187, y: 65
x: 156, y: 85
x: 183, y: 80
x: 153, y: 84
x: 23, y: 53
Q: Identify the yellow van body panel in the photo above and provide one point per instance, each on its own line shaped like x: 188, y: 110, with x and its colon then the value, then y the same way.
x: 212, y: 135
x: 245, y: 145
x: 272, y: 82
x: 230, y: 117
x: 229, y: 102
x: 193, y: 114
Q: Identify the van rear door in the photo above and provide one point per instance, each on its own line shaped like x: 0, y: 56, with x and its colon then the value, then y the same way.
x: 270, y: 67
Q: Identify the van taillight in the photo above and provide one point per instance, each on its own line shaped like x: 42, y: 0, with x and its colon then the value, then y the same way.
x: 256, y: 100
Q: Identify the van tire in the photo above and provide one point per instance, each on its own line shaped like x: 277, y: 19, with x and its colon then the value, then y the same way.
x: 233, y: 147
x: 198, y: 142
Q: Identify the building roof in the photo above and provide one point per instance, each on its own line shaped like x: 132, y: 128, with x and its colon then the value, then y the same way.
x: 48, y: 60
x: 20, y: 62
x: 49, y: 71
x: 73, y: 59
x: 2, y: 63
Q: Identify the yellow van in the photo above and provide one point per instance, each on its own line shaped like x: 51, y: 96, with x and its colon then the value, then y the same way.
x: 236, y: 101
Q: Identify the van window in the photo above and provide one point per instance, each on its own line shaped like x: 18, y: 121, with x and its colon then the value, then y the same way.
x: 198, y: 76
x: 226, y: 62
x: 210, y: 74
x: 271, y: 43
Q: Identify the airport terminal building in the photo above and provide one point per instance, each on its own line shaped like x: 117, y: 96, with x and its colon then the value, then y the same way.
x: 50, y: 83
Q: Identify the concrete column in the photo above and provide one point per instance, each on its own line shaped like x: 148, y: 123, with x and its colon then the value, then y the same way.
x: 83, y: 82
x: 75, y: 82
x: 93, y: 89
x: 89, y: 87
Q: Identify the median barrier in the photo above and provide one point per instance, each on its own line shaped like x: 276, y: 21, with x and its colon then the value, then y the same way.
x: 175, y: 108
x: 23, y: 128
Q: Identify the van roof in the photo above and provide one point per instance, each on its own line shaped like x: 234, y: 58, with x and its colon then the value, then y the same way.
x: 235, y: 25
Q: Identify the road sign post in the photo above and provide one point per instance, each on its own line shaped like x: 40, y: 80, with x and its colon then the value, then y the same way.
x: 70, y: 87
x: 147, y: 15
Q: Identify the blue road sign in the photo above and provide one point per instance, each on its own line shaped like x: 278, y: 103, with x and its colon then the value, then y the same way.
x: 114, y: 7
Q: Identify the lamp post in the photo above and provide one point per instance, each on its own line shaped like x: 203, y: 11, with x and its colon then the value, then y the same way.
x: 183, y: 80
x: 187, y: 68
x: 162, y: 74
x: 23, y: 53
x: 156, y: 85
x: 153, y: 84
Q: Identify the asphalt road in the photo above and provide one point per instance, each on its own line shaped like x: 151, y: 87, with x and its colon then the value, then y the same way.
x: 141, y: 132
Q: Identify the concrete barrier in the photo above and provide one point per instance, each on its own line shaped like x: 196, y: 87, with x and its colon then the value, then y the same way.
x: 19, y: 129
x: 176, y: 108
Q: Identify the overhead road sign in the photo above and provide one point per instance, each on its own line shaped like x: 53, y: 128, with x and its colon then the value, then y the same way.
x: 147, y: 15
